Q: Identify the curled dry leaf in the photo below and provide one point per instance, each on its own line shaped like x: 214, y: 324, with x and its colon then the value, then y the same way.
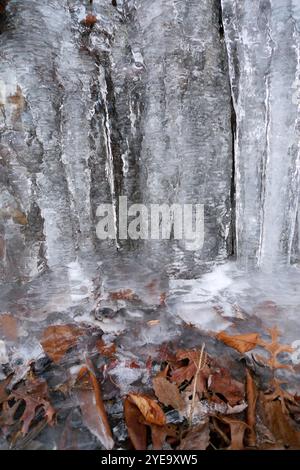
x: 137, y: 430
x: 196, y: 437
x: 167, y: 392
x: 150, y: 410
x: 57, y: 339
x: 242, y: 343
x: 251, y: 394
x: 94, y: 416
x: 160, y: 434
x: 237, y: 432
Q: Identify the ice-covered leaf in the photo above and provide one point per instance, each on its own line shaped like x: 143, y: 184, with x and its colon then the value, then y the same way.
x: 92, y: 407
x: 242, y: 343
x: 57, y: 339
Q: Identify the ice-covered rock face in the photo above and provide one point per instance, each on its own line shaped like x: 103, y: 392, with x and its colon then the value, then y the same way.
x: 105, y: 98
x: 263, y: 43
x: 134, y: 100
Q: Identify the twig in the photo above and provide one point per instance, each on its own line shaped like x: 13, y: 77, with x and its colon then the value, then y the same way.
x: 200, y: 366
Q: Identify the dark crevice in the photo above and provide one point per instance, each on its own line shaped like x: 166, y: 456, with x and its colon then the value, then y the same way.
x: 233, y: 188
x: 233, y: 126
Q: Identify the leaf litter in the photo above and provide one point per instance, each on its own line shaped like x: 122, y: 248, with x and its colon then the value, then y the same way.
x: 191, y: 390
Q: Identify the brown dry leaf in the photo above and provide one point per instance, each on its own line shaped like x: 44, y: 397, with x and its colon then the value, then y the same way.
x: 91, y: 404
x: 135, y: 424
x: 3, y: 389
x: 251, y: 394
x: 237, y: 432
x: 167, y: 392
x: 221, y: 382
x: 8, y: 327
x: 241, y: 343
x: 186, y: 373
x: 19, y: 217
x: 34, y: 393
x: 90, y: 20
x: 151, y: 411
x: 106, y: 350
x: 57, y: 339
x: 279, y: 423
x: 126, y: 294
x: 159, y: 435
x: 196, y: 437
x: 274, y: 349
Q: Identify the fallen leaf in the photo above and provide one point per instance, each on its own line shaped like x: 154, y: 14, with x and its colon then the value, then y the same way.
x: 8, y: 327
x: 137, y: 430
x: 251, y: 395
x: 3, y: 389
x: 34, y: 392
x: 279, y: 423
x: 221, y: 382
x: 281, y: 394
x: 90, y: 20
x: 159, y: 434
x: 242, y: 343
x: 94, y: 415
x: 106, y: 350
x: 196, y: 438
x: 274, y: 349
x: 237, y: 432
x: 167, y: 392
x: 126, y: 294
x: 57, y: 339
x: 19, y: 217
x: 151, y: 411
x: 187, y: 372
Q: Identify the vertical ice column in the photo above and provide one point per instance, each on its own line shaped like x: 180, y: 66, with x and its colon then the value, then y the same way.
x: 263, y: 44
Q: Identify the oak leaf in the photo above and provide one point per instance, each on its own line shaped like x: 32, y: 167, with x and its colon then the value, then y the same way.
x: 242, y: 343
x: 34, y: 393
x: 274, y: 349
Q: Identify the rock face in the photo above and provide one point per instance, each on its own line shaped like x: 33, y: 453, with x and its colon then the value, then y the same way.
x: 105, y: 98
x: 263, y: 43
x: 101, y: 99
